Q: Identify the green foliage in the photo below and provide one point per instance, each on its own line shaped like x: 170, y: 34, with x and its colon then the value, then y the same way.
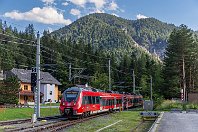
x: 174, y: 104
x: 169, y: 104
x: 9, y: 91
x: 108, y: 31
x: 100, y: 81
x: 87, y: 43
x: 180, y: 62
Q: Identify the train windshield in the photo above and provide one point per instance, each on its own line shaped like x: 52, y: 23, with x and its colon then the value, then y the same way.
x: 71, y: 96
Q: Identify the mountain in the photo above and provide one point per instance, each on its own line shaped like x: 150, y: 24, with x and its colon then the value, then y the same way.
x: 104, y: 31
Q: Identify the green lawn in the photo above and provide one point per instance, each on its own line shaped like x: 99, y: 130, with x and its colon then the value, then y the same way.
x: 129, y: 121
x: 52, y: 104
x: 23, y: 113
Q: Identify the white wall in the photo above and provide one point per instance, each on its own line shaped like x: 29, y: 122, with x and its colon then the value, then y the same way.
x: 45, y: 89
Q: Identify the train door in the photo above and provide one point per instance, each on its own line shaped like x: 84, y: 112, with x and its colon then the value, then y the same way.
x: 115, y: 103
x: 101, y: 104
x: 122, y: 102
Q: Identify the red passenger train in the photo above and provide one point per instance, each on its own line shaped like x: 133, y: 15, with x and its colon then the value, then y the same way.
x: 84, y: 101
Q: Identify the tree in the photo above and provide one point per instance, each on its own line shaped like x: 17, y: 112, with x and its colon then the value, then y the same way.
x: 100, y: 81
x: 9, y: 90
x: 177, y: 65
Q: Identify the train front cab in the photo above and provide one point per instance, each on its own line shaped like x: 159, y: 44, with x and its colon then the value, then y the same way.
x: 70, y: 102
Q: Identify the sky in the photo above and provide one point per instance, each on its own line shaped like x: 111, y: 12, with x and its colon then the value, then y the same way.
x: 54, y: 14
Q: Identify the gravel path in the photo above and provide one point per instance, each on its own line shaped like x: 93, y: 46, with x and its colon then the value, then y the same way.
x: 178, y: 122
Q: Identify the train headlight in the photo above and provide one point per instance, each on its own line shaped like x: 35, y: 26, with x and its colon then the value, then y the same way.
x: 63, y: 103
x: 74, y: 102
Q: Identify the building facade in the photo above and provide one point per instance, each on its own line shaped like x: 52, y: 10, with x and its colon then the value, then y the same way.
x: 49, y: 86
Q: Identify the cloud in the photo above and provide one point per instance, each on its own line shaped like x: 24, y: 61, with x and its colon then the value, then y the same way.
x: 96, y: 6
x: 65, y: 3
x: 48, y: 2
x: 75, y: 12
x: 98, y: 3
x: 78, y: 2
x: 113, y: 6
x: 115, y: 14
x: 94, y: 10
x: 46, y: 15
x: 140, y: 16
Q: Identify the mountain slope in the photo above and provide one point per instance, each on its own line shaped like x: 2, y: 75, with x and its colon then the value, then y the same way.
x: 104, y: 31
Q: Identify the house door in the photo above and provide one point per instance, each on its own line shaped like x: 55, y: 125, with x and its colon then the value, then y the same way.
x: 25, y: 99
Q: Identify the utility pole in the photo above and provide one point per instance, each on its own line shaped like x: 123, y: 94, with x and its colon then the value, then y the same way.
x: 38, y: 75
x: 109, y: 74
x: 69, y: 71
x: 133, y: 82
x: 151, y: 87
x: 184, y: 79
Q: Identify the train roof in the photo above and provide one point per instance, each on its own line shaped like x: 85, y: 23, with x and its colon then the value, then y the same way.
x: 91, y: 89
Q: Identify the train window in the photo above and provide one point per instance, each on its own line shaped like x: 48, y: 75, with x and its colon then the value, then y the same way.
x: 97, y: 100
x: 103, y: 102
x: 84, y: 100
x: 89, y: 100
x: 71, y: 96
x: 94, y: 99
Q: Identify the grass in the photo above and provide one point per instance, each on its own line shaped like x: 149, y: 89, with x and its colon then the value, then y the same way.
x: 24, y: 113
x: 52, y: 104
x: 129, y: 121
x: 167, y: 105
x: 48, y: 104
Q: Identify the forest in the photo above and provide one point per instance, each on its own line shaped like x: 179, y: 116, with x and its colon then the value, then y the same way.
x: 176, y: 71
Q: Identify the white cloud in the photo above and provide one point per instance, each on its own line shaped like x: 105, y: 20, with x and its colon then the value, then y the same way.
x: 98, y: 3
x: 78, y: 2
x: 140, y: 16
x: 75, y: 12
x: 96, y: 11
x: 65, y: 3
x: 48, y: 2
x: 113, y: 6
x: 115, y: 14
x: 46, y: 15
x: 96, y: 6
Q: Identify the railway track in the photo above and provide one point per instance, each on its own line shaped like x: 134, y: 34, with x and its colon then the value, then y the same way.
x: 3, y: 123
x: 52, y: 126
x: 20, y: 121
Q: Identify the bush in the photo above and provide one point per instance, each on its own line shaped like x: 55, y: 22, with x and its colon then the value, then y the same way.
x: 169, y: 104
x: 191, y: 106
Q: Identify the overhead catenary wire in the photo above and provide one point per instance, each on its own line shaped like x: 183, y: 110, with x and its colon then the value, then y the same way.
x: 15, y: 37
x: 16, y: 52
x: 63, y: 55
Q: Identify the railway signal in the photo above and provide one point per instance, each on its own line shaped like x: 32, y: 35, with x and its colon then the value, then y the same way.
x: 33, y: 81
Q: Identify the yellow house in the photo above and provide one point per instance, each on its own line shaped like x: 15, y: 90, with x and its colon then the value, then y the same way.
x: 49, y: 86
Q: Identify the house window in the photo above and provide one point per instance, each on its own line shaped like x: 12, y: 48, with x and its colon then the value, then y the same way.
x: 25, y: 87
x: 50, y: 92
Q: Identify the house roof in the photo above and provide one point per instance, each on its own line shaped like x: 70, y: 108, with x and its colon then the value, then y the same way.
x: 25, y: 76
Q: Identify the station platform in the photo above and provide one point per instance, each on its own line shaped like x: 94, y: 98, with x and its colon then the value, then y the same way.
x: 176, y: 122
